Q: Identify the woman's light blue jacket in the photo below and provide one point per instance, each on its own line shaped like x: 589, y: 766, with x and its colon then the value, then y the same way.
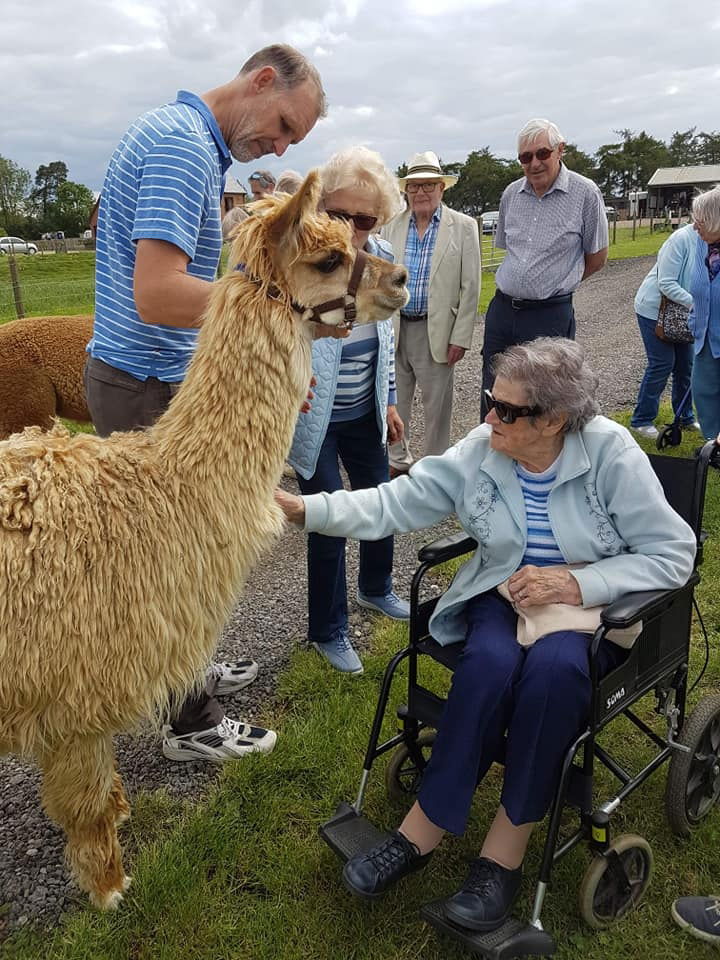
x: 607, y: 509
x: 670, y: 275
x: 312, y: 426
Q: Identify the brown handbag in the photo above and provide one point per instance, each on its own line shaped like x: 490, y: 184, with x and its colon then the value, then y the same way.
x: 672, y: 322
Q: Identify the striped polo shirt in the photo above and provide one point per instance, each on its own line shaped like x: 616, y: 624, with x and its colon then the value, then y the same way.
x: 355, y: 391
x: 164, y: 182
x: 542, y: 549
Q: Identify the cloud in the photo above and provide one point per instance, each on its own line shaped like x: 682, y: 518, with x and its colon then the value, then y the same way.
x: 448, y: 75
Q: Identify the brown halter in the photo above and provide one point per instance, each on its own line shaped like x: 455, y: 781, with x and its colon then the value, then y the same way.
x: 348, y: 305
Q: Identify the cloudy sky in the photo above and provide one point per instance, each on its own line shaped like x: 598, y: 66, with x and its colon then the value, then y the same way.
x: 402, y: 76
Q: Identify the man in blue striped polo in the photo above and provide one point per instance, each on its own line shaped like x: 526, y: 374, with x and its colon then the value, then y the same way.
x: 553, y: 227
x: 158, y: 247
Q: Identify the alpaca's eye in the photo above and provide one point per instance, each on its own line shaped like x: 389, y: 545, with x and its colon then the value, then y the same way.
x: 330, y: 263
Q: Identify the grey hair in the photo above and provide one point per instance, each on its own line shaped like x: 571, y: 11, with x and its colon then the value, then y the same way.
x: 289, y: 181
x: 292, y: 68
x: 536, y: 128
x: 556, y: 378
x: 231, y: 220
x: 360, y: 167
x: 706, y: 209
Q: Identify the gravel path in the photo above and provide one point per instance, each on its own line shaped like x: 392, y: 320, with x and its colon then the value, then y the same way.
x: 269, y: 620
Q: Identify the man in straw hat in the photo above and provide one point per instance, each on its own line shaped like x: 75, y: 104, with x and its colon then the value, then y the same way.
x: 441, y: 250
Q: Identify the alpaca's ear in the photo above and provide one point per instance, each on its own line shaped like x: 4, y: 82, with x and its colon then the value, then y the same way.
x: 285, y: 226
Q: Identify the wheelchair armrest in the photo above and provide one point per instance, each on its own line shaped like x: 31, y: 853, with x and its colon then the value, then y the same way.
x: 446, y: 548
x: 645, y: 605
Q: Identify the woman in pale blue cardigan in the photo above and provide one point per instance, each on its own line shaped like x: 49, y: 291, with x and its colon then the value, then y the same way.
x: 670, y: 277
x: 705, y: 315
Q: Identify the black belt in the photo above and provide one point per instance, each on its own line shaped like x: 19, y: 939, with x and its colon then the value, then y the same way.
x: 518, y: 303
x: 413, y: 316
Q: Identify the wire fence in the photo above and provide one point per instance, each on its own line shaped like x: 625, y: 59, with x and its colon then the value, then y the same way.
x: 51, y: 285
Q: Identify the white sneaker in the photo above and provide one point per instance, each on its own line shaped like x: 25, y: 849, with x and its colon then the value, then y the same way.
x: 650, y: 431
x: 231, y: 676
x: 229, y: 740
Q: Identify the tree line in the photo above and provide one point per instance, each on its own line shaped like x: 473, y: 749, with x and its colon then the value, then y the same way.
x: 47, y: 204
x: 617, y: 168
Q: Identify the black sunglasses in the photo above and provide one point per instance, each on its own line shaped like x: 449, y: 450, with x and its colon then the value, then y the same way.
x: 362, y: 221
x: 508, y: 412
x: 542, y: 154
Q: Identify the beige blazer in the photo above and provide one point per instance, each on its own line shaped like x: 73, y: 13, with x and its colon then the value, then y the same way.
x: 454, y: 278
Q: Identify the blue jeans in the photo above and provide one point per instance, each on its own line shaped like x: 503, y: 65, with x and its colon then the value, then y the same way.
x: 663, y: 359
x: 706, y: 391
x: 357, y: 444
x: 538, y: 695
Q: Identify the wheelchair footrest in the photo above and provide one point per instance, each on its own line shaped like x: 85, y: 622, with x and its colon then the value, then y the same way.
x: 513, y: 939
x: 348, y: 833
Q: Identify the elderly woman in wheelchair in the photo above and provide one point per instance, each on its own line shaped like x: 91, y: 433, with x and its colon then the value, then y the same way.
x: 568, y: 516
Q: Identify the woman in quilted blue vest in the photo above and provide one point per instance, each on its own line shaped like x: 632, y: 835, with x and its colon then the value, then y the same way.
x: 352, y: 418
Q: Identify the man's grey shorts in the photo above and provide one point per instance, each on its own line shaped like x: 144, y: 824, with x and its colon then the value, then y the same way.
x: 118, y: 401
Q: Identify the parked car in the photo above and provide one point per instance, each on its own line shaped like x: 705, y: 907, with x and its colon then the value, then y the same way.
x: 16, y: 245
x: 490, y: 220
x: 610, y: 212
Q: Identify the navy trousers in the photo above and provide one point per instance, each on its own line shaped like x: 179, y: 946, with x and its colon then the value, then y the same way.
x: 357, y: 444
x: 505, y: 326
x: 539, y: 696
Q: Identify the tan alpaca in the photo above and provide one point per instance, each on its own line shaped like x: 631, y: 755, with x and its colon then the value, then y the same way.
x: 41, y: 371
x: 121, y: 558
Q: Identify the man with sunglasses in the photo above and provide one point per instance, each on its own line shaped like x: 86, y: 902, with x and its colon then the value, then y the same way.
x: 441, y: 250
x: 262, y: 182
x: 553, y: 227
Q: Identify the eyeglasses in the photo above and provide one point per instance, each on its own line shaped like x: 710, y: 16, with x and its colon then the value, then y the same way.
x: 261, y: 179
x: 508, y: 412
x: 362, y: 221
x: 425, y: 187
x: 542, y: 154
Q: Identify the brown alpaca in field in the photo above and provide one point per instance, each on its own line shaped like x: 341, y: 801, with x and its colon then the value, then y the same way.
x: 121, y: 557
x: 41, y: 371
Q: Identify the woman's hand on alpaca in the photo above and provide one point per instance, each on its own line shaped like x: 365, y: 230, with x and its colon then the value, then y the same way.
x: 291, y: 505
x: 306, y: 405
x: 395, y: 426
x: 531, y: 586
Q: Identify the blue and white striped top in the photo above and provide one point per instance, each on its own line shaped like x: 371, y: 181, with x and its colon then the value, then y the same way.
x: 542, y: 549
x: 355, y: 391
x: 164, y: 182
x: 418, y: 257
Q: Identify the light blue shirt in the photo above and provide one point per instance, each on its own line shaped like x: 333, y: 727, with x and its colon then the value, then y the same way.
x: 418, y: 257
x: 546, y: 238
x: 671, y: 274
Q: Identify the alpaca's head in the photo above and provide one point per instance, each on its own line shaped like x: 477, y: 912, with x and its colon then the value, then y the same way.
x: 290, y: 245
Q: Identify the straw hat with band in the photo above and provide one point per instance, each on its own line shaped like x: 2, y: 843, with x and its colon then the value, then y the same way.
x: 426, y: 166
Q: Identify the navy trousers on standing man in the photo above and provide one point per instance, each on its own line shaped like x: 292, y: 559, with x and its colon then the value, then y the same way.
x: 506, y: 325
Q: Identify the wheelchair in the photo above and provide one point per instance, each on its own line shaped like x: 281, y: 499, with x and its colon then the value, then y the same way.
x: 621, y: 868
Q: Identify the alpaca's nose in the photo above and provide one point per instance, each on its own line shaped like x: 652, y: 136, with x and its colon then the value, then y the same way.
x: 399, y: 276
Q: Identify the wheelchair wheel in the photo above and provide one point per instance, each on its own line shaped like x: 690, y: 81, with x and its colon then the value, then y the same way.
x: 610, y: 890
x: 693, y: 781
x: 403, y: 774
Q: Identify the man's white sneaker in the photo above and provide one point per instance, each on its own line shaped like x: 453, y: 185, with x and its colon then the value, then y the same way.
x: 229, y: 740
x: 231, y: 676
x: 650, y: 431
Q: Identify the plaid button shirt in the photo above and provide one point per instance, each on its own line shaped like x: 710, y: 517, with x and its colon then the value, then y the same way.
x: 418, y: 255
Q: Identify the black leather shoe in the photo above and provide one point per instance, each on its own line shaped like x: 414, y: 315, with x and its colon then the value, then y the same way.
x: 486, y: 897
x: 370, y: 874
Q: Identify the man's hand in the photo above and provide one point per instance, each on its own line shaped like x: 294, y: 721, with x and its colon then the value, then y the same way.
x: 307, y: 404
x: 531, y: 586
x: 455, y: 354
x: 291, y: 505
x: 395, y: 426
x: 338, y: 332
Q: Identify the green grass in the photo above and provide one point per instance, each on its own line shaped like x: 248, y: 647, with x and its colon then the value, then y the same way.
x: 52, y: 285
x: 244, y: 876
x: 646, y: 244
